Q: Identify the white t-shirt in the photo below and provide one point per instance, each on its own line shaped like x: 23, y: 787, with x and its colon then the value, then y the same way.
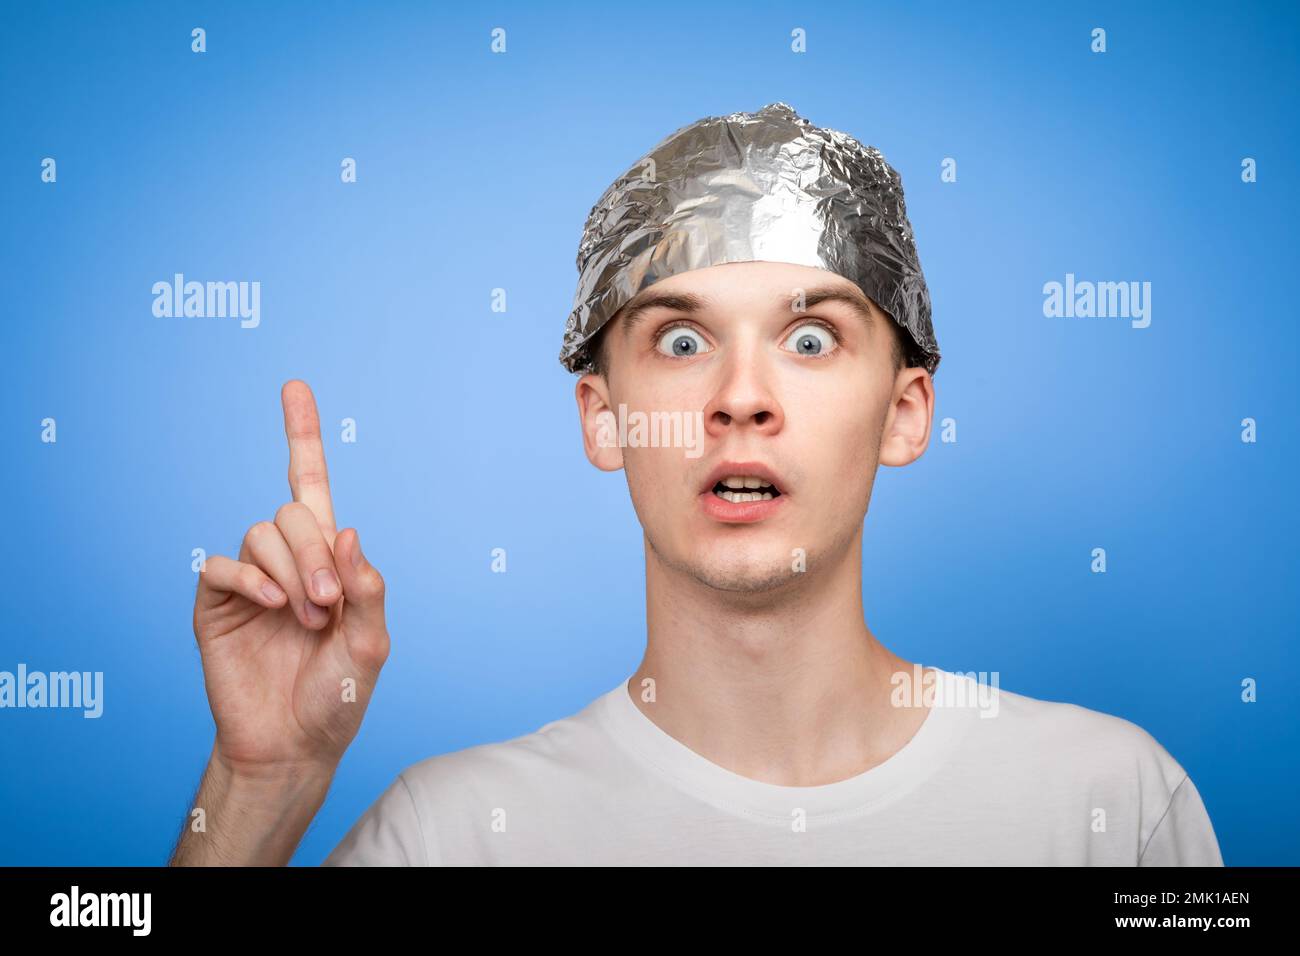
x: 1010, y: 780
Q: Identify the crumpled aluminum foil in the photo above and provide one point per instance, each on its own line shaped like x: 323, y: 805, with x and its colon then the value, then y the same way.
x: 746, y: 187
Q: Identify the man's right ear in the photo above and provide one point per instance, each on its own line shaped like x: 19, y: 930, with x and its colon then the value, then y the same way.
x: 599, y: 423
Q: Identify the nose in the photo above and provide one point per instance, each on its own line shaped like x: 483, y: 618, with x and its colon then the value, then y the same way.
x: 744, y: 398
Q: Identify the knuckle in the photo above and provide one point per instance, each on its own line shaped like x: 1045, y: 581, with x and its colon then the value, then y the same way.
x: 373, y: 650
x: 259, y: 531
x: 311, y: 476
x: 286, y: 512
x: 249, y: 577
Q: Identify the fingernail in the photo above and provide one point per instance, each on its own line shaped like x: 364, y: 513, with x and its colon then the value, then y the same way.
x: 315, y: 613
x: 356, y: 550
x: 272, y: 592
x: 326, y: 584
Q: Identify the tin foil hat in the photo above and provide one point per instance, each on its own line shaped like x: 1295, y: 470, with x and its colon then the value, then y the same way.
x: 746, y: 187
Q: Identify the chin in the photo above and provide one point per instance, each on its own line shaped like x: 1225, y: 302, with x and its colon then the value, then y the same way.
x: 747, y: 580
x: 735, y: 570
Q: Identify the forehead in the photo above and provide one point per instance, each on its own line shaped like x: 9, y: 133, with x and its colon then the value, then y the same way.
x: 740, y: 280
x: 749, y: 288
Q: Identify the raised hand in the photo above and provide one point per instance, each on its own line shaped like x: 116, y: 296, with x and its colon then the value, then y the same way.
x: 292, y: 634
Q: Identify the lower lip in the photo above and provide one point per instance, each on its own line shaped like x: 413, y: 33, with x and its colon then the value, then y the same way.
x: 739, y: 512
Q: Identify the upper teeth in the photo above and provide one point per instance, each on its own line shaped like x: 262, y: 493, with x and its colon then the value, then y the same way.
x: 741, y: 488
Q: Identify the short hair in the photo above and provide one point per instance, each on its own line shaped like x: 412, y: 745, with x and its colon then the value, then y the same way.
x: 904, y: 351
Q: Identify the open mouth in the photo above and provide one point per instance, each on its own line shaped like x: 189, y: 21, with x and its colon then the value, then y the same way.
x: 742, y: 488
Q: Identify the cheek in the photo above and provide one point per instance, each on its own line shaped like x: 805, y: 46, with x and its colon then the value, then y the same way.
x: 838, y: 444
x: 641, y: 410
x: 649, y: 469
x: 655, y: 393
x: 656, y: 479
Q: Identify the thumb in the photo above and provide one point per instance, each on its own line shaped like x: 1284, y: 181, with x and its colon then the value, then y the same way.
x: 362, y: 618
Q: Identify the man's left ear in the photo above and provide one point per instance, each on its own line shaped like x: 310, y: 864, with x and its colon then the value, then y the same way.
x: 907, y: 426
x: 599, y: 423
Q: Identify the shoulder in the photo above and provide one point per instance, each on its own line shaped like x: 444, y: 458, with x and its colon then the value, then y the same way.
x: 547, y: 773
x: 1068, y: 743
x: 407, y: 824
x: 1079, y: 773
x: 569, y: 746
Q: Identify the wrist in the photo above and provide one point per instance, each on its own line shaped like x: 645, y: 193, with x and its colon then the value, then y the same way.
x: 269, y: 778
x: 253, y: 816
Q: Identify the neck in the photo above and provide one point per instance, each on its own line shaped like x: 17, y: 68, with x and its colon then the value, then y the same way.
x: 787, y: 687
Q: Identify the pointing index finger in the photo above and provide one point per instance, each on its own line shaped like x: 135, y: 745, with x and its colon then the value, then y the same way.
x: 308, y: 478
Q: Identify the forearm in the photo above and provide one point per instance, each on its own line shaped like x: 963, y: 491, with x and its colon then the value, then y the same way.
x: 251, y: 819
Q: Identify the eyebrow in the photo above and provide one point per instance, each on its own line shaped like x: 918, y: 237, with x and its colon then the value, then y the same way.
x: 853, y: 299
x: 635, y: 310
x: 688, y: 302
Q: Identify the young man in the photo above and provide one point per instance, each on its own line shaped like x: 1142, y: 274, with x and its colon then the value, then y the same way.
x: 756, y: 273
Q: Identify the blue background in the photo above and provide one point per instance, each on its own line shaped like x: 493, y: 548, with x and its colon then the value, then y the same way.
x: 476, y: 171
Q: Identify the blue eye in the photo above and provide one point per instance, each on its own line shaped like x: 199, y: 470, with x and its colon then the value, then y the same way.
x: 682, y: 343
x: 811, y: 340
